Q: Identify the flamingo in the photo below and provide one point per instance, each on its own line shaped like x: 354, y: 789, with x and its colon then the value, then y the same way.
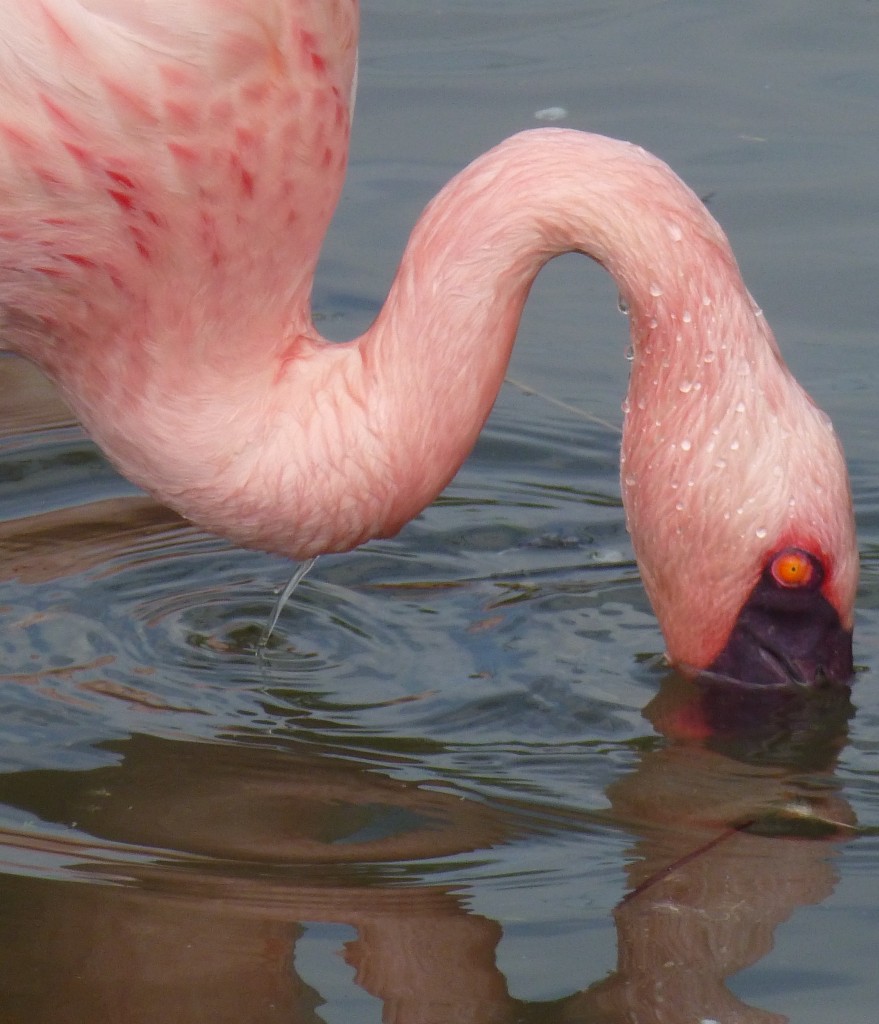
x: 167, y: 174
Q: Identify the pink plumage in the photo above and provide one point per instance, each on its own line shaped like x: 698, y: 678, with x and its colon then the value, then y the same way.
x: 167, y: 173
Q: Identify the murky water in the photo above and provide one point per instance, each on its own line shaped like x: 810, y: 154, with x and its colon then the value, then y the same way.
x: 450, y: 790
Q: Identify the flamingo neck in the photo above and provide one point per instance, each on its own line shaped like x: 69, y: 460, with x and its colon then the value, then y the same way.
x: 724, y: 455
x: 442, y: 343
x: 310, y: 447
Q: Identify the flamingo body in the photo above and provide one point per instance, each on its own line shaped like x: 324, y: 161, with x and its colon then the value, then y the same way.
x: 167, y: 174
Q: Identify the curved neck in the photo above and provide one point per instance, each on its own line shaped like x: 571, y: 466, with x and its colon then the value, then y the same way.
x: 455, y: 305
x: 710, y: 475
x: 309, y: 447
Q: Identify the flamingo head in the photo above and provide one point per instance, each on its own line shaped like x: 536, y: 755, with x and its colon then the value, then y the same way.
x: 789, y: 629
x: 738, y: 501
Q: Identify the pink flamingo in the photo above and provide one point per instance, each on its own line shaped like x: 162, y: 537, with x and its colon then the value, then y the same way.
x: 167, y: 174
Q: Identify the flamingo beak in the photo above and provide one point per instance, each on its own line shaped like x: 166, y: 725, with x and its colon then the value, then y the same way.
x: 787, y: 632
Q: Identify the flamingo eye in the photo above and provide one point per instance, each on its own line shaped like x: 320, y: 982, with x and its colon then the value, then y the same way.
x: 794, y: 569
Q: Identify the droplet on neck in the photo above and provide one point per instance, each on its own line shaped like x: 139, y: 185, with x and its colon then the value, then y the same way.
x: 687, y: 317
x: 685, y: 387
x: 622, y: 305
x: 655, y: 290
x: 674, y: 232
x: 761, y: 532
x: 686, y: 444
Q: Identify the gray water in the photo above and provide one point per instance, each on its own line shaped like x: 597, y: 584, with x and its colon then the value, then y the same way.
x: 448, y: 792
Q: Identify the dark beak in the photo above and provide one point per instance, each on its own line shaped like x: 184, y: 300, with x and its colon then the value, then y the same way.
x: 787, y: 637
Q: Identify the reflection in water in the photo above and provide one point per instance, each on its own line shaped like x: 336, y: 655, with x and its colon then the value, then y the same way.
x: 71, y: 540
x: 205, y: 862
x: 726, y: 851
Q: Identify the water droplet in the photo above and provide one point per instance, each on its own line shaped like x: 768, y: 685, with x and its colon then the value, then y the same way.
x: 709, y: 357
x: 734, y: 445
x: 622, y: 305
x: 686, y: 444
x: 761, y: 532
x: 625, y: 407
x: 551, y: 114
x: 655, y: 290
x: 630, y: 354
x: 675, y: 233
x: 687, y: 317
x: 630, y: 480
x: 740, y: 511
x: 740, y: 407
x: 680, y: 506
x: 653, y: 323
x: 685, y: 387
x: 720, y: 463
x: 706, y: 300
x: 642, y: 404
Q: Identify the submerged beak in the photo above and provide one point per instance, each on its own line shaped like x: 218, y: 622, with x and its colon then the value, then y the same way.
x: 787, y: 632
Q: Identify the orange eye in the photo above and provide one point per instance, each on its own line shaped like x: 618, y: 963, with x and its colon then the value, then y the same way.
x: 793, y: 568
